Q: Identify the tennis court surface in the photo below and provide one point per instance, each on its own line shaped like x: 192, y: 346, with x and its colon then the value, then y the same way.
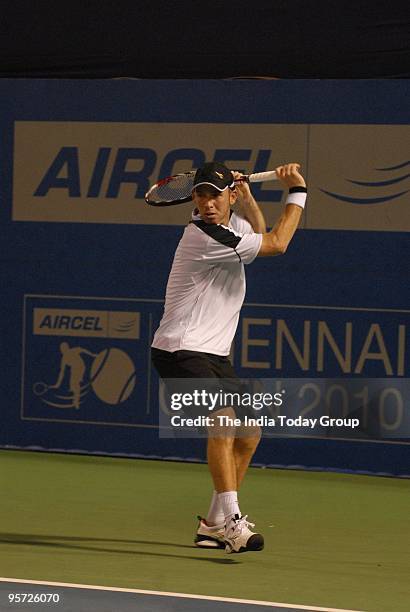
x: 332, y: 540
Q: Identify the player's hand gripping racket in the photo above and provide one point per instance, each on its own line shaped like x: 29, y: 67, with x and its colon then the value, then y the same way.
x: 177, y: 189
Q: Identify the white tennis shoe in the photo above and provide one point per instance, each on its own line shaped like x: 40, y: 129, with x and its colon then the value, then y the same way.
x: 209, y: 536
x: 239, y: 538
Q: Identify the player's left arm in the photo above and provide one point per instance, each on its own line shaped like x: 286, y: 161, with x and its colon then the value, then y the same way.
x: 248, y: 207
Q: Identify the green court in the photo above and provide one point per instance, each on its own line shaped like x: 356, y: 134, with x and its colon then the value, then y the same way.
x: 332, y: 540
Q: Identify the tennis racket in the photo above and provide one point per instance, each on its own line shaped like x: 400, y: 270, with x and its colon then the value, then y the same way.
x: 177, y: 189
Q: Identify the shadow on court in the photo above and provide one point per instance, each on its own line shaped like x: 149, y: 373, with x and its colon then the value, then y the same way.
x: 74, y: 543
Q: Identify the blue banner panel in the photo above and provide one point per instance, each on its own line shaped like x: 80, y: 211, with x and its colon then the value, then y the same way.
x: 84, y: 261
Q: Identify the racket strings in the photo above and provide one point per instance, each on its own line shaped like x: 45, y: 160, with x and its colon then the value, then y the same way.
x: 178, y: 187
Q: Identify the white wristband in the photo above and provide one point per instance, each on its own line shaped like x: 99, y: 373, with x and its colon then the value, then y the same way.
x: 297, y: 198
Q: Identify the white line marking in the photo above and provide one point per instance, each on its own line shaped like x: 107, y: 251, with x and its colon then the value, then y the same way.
x: 253, y: 602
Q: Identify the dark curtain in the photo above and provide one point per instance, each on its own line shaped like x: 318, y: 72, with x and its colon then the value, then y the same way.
x: 205, y: 39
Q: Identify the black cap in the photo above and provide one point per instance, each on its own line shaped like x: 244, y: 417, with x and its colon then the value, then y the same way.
x: 215, y: 174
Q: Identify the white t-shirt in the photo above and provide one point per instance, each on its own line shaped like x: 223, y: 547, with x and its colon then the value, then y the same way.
x: 206, y: 286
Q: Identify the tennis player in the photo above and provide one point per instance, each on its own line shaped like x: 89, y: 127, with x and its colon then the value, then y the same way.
x: 205, y: 292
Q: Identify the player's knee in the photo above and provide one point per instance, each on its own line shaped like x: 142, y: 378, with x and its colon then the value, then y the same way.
x: 223, y: 425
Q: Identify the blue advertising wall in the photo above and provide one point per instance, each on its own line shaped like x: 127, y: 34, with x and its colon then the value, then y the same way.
x: 84, y: 263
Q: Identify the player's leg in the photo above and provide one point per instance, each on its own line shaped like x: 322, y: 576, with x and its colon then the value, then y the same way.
x: 229, y: 454
x: 228, y: 460
x: 221, y: 464
x: 189, y: 364
x: 221, y: 461
x: 238, y: 537
x: 246, y: 442
x: 244, y: 446
x: 225, y: 463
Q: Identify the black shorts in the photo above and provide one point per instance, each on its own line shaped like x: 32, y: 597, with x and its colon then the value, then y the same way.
x: 191, y: 364
x: 194, y: 364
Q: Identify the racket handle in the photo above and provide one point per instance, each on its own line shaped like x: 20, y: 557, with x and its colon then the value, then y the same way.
x: 259, y: 177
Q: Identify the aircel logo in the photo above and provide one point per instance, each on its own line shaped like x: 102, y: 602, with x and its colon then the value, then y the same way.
x: 64, y: 171
x: 91, y: 323
x: 87, y: 370
x: 99, y: 172
x: 81, y: 358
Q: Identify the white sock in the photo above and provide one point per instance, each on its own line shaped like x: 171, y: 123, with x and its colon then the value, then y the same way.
x: 229, y: 503
x: 215, y: 514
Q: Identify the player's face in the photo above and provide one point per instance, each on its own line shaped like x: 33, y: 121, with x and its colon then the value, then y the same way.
x: 213, y: 205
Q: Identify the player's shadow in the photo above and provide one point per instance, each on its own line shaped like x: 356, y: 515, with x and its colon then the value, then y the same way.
x: 75, y: 543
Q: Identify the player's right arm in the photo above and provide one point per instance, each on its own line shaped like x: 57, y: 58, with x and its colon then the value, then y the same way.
x: 277, y: 240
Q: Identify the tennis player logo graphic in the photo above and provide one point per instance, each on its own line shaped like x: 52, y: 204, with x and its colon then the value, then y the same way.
x: 109, y: 374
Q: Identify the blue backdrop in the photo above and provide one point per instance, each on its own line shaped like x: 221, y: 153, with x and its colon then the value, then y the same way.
x: 82, y: 296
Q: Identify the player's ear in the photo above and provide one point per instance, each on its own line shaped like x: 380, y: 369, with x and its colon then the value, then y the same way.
x: 233, y: 194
